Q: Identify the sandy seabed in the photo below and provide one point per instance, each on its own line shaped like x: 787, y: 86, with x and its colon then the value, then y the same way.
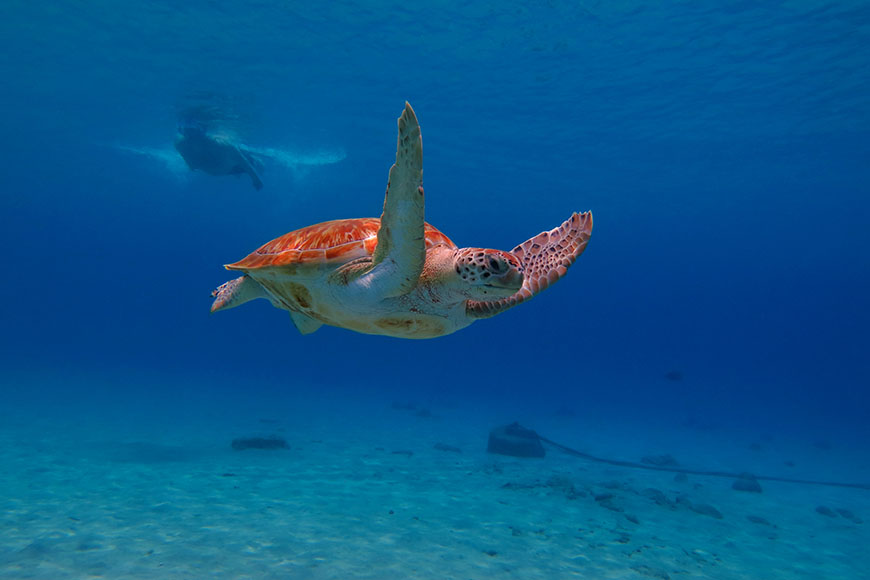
x: 107, y: 488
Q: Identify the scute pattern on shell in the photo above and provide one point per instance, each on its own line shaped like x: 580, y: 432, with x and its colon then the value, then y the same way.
x: 332, y: 242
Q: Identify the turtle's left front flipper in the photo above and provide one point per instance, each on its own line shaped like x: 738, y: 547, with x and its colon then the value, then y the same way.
x: 545, y: 258
x: 401, y: 251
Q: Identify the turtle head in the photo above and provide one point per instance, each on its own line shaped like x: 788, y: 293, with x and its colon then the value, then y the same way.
x: 488, y: 274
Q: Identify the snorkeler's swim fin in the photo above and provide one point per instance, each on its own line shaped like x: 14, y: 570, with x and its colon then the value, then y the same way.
x: 250, y: 169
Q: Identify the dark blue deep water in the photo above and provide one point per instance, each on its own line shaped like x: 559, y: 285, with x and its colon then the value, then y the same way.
x: 724, y: 148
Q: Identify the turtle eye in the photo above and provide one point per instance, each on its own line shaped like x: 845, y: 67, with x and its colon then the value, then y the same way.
x: 494, y: 265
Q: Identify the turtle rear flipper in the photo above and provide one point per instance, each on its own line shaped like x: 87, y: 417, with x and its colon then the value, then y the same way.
x: 236, y: 292
x: 545, y: 258
x: 304, y: 323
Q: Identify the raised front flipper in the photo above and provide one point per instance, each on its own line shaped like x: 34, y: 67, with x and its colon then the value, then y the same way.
x: 401, y: 250
x: 545, y: 259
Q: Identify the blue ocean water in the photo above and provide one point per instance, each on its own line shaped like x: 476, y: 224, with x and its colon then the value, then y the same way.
x: 724, y: 149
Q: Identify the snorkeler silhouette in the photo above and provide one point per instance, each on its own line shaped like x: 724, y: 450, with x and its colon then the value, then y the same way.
x: 207, y: 143
x: 216, y: 155
x: 208, y: 140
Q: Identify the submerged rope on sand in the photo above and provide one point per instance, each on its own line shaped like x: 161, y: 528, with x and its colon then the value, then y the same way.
x: 519, y: 433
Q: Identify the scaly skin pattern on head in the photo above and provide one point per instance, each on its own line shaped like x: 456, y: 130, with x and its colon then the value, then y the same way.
x: 545, y: 259
x: 488, y: 274
x: 452, y: 276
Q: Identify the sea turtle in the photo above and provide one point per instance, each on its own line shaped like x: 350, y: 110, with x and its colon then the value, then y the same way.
x: 398, y: 275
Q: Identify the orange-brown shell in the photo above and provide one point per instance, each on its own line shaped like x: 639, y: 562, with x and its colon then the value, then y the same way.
x: 329, y: 243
